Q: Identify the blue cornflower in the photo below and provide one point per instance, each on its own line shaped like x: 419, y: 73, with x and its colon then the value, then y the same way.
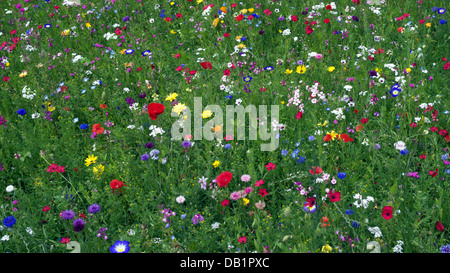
x: 311, y: 138
x: 301, y: 159
x: 349, y: 212
x: 47, y: 26
x: 186, y: 144
x: 9, y: 221
x: 227, y: 146
x: 404, y: 152
x: 442, y: 22
x: 21, y: 112
x: 94, y: 208
x: 341, y: 175
x: 295, y: 153
x: 83, y: 126
x: 355, y: 224
x: 229, y: 97
x: 145, y: 157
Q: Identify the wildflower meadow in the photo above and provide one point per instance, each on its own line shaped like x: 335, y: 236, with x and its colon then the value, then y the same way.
x: 196, y: 126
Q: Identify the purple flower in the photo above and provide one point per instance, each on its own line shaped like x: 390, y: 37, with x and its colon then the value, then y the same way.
x: 149, y: 145
x: 67, y: 214
x: 197, y: 219
x: 94, y: 208
x: 145, y: 157
x: 186, y: 144
x: 78, y: 224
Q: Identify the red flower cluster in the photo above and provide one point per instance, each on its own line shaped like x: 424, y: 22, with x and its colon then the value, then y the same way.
x: 55, y: 168
x: 224, y: 178
x: 116, y: 184
x: 155, y: 109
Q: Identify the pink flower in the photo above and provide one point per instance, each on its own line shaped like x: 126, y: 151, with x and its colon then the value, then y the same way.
x: 235, y: 195
x: 259, y: 183
x: 270, y: 166
x: 245, y: 178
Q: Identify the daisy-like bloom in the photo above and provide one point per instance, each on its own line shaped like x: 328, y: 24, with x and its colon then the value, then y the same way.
x: 171, y: 96
x: 180, y: 199
x: 400, y: 145
x: 98, y: 170
x: 178, y: 108
x: 120, y: 247
x: 395, y: 90
x: 129, y: 51
x: 90, y: 160
x: 268, y: 68
x: 47, y: 26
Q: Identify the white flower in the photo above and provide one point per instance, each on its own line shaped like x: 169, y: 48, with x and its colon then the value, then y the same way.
x: 215, y: 225
x: 375, y: 231
x: 180, y: 199
x: 29, y: 230
x: 400, y: 145
x: 5, y: 238
x: 10, y: 188
x: 131, y: 232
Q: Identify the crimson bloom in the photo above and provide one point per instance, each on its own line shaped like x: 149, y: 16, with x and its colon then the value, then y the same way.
x: 315, y: 170
x: 206, y: 65
x: 239, y: 17
x: 433, y: 173
x: 299, y: 115
x: 225, y: 202
x: 387, y: 212
x: 270, y: 166
x: 96, y: 128
x: 116, y: 184
x: 155, y: 109
x: 263, y: 192
x: 440, y: 226
x: 224, y: 178
x: 242, y: 239
x: 334, y: 196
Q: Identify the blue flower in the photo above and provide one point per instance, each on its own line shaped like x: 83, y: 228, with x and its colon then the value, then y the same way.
x: 21, y: 112
x: 269, y: 68
x: 146, y: 53
x: 311, y: 138
x: 355, y: 224
x: 301, y: 159
x: 341, y: 175
x: 9, y: 221
x: 349, y: 212
x: 145, y: 157
x: 441, y: 11
x: 284, y: 152
x: 404, y: 152
x: 227, y: 146
x: 248, y: 79
x: 47, y: 26
x: 443, y: 22
x: 395, y: 90
x: 295, y: 153
x: 120, y: 247
x: 229, y: 97
x: 243, y: 38
x: 129, y: 51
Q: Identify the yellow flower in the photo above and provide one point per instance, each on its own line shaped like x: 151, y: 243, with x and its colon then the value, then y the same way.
x: 172, y: 96
x: 323, y: 124
x: 223, y: 9
x: 88, y: 25
x: 377, y: 69
x: 23, y: 74
x: 282, y: 102
x: 216, y: 163
x: 206, y: 114
x: 333, y: 134
x: 246, y: 201
x: 65, y: 32
x: 199, y: 1
x: 301, y: 69
x: 288, y: 71
x: 90, y: 160
x: 243, y: 11
x: 123, y: 51
x: 172, y: 3
x: 428, y: 24
x: 251, y: 10
x: 39, y: 65
x: 238, y: 38
x: 326, y: 248
x: 331, y: 68
x: 179, y: 108
x: 215, y: 22
x: 408, y: 69
x: 173, y: 31
x: 241, y: 45
x: 7, y: 64
x: 98, y: 170
x: 50, y: 107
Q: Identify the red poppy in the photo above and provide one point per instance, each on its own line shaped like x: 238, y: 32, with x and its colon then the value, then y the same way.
x: 118, y: 31
x: 326, y: 21
x: 46, y: 208
x: 103, y: 106
x: 334, y: 196
x: 440, y: 226
x: 64, y: 240
x: 155, y: 109
x: 327, y: 137
x: 270, y: 166
x: 226, y: 35
x: 310, y: 201
x: 315, y: 170
x: 82, y: 215
x: 179, y: 15
x: 97, y: 129
x: 226, y: 72
x: 116, y: 184
x: 168, y: 19
x: 206, y: 65
x: 64, y: 89
x: 328, y: 7
x: 225, y: 202
x: 359, y: 128
x: 224, y: 178
x: 345, y: 138
x: 240, y: 17
x: 299, y: 115
x: 387, y: 212
x: 364, y: 120
x: 259, y: 183
x: 242, y: 239
x: 294, y: 18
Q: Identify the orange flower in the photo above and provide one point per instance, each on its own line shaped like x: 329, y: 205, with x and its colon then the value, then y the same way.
x: 324, y: 221
x: 103, y: 106
x: 400, y: 29
x: 315, y: 170
x: 97, y: 129
x: 359, y: 128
